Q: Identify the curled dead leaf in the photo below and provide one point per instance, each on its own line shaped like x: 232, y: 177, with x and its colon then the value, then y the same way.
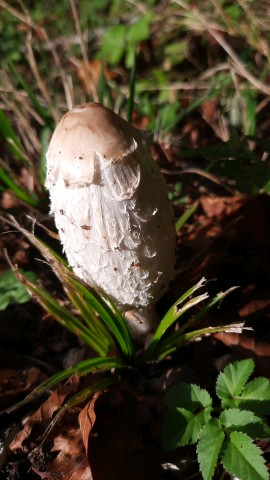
x: 41, y: 419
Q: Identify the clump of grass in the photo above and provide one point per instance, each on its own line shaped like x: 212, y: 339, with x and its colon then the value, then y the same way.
x: 102, y: 327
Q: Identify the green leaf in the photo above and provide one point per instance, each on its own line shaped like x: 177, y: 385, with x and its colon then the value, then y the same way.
x: 188, y: 396
x: 140, y: 30
x: 4, y: 301
x: 244, y: 421
x: 114, y: 44
x: 209, y: 446
x: 241, y: 458
x: 256, y: 396
x: 12, y: 290
x: 182, y: 427
x: 232, y: 380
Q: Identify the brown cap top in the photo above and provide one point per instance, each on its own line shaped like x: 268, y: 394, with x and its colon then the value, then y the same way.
x: 85, y: 131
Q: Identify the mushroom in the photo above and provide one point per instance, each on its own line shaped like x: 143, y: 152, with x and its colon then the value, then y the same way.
x: 111, y: 209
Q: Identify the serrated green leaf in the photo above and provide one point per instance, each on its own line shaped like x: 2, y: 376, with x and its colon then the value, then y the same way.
x: 256, y: 396
x: 182, y: 427
x: 232, y: 380
x: 188, y: 396
x: 244, y: 421
x: 209, y: 446
x: 240, y: 457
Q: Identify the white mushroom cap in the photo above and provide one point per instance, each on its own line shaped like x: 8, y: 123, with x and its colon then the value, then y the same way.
x: 86, y: 130
x: 111, y: 207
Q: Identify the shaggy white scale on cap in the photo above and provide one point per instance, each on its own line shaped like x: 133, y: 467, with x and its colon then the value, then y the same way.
x: 110, y: 205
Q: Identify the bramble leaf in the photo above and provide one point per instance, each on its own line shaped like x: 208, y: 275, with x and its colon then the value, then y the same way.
x: 209, y: 446
x: 182, y: 427
x: 241, y: 458
x: 244, y: 421
x: 232, y: 380
x: 188, y: 396
x: 256, y: 396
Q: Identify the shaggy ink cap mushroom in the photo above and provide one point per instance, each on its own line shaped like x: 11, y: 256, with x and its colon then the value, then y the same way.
x: 111, y: 208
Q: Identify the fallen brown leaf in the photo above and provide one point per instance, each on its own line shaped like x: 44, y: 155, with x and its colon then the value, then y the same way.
x: 245, y: 347
x: 40, y: 420
x: 87, y: 419
x: 71, y: 463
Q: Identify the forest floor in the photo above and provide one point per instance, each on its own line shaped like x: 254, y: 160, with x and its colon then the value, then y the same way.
x: 116, y: 433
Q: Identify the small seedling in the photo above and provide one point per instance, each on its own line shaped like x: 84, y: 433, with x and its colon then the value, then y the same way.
x: 12, y: 290
x: 225, y: 433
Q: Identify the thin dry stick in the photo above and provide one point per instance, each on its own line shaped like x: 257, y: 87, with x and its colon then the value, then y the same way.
x: 42, y: 86
x: 20, y: 96
x: 202, y: 173
x: 239, y: 66
x: 28, y: 21
x: 262, y: 104
x: 83, y: 46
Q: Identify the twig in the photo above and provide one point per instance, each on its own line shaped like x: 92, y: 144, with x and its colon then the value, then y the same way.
x: 239, y: 66
x: 26, y: 19
x: 83, y: 46
x: 202, y: 173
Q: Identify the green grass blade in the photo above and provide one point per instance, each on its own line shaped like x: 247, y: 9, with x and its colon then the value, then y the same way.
x: 217, y: 299
x: 12, y: 139
x: 186, y: 216
x: 132, y: 86
x: 81, y: 368
x: 175, y: 312
x: 91, y: 365
x: 166, y: 348
x: 43, y: 112
x: 107, y: 315
x: 101, y: 86
x: 95, y: 326
x: 211, y: 93
x: 122, y: 326
x: 28, y: 198
x: 45, y: 137
x: 69, y: 321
